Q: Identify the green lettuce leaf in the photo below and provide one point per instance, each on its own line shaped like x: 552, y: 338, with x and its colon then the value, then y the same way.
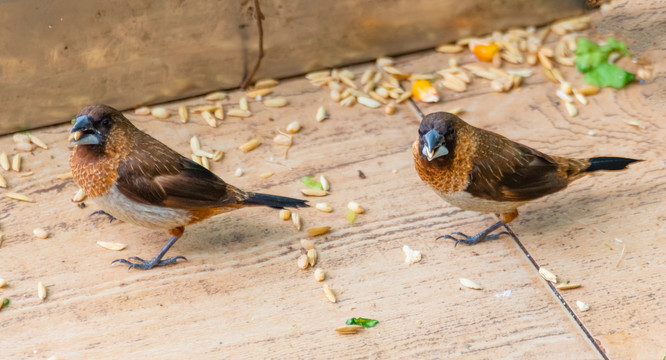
x: 311, y: 183
x: 366, y: 323
x: 609, y: 75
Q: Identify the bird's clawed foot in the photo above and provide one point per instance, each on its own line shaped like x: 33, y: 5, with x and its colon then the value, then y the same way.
x: 102, y: 212
x: 147, y: 265
x: 471, y: 240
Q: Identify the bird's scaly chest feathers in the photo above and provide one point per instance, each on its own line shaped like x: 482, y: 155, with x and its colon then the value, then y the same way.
x: 448, y: 174
x: 95, y: 169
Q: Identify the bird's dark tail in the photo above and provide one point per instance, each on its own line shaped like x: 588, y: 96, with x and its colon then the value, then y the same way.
x: 274, y: 201
x: 609, y: 163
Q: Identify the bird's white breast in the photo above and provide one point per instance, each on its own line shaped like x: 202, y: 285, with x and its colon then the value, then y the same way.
x: 467, y: 201
x: 150, y: 216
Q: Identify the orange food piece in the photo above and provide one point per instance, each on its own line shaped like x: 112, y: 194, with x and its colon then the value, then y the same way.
x: 423, y: 90
x: 485, y: 52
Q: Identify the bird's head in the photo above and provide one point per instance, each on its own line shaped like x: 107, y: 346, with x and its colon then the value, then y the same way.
x: 437, y: 135
x: 95, y: 125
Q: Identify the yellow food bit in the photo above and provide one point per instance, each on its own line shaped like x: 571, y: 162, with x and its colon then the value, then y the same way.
x: 423, y: 90
x: 485, y: 52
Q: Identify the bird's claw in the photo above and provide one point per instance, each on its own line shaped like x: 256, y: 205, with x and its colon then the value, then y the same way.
x: 471, y: 240
x: 147, y: 265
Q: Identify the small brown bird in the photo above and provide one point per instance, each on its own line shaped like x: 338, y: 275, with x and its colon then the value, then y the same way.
x: 478, y: 170
x: 139, y: 180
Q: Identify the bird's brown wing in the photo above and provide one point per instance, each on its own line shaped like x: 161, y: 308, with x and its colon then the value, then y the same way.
x: 154, y: 174
x: 504, y: 170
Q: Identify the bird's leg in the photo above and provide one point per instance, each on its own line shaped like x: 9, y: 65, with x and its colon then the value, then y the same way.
x: 102, y: 212
x: 157, y: 260
x: 483, y: 235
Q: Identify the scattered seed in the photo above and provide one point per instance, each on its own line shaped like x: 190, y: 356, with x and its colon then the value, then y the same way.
x: 312, y: 257
x: 544, y: 60
x: 41, y: 291
x: 322, y: 114
x: 562, y: 95
x: 24, y: 147
x: 384, y: 61
x: 2, y: 284
x: 313, y: 192
x: 79, y: 196
x: 456, y: 111
x: 216, y: 96
x: 16, y: 163
x: 250, y: 145
x: 243, y: 104
x: 330, y: 295
x: 325, y: 207
x: 239, y: 172
x: 266, y: 175
x: 203, y: 154
x: 571, y: 109
x: 411, y: 256
x: 355, y: 207
x: 580, y: 97
x: 209, y: 118
x: 319, y: 275
x: 316, y: 231
x: 282, y: 139
x: 307, y: 244
x: 209, y: 108
x: 546, y: 274
x: 449, y: 49
x: 589, y: 90
x: 389, y: 109
x: 285, y: 214
x: 470, y: 284
x: 325, y: 185
x: 18, y: 196
x: 65, y: 176
x: 205, y: 162
x: 582, y: 306
x: 239, y: 113
x: 404, y: 97
x: 160, y: 112
x: 348, y: 101
x: 197, y: 159
x: 115, y: 246
x: 219, y: 113
x: 35, y: 140
x: 303, y: 262
x: 335, y: 95
x: 258, y: 93
x: 276, y: 102
x: 143, y: 111
x: 568, y: 286
x: 265, y: 83
x: 566, y: 88
x: 317, y: 75
x: 218, y: 155
x: 348, y: 329
x: 195, y: 144
x: 371, y: 103
x: 296, y: 220
x: 40, y: 233
x: 293, y: 127
x: 635, y: 123
x: 183, y: 113
x: 3, y: 182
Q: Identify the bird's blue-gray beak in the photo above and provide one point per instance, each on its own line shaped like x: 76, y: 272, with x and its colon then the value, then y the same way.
x: 83, y: 132
x: 433, y: 148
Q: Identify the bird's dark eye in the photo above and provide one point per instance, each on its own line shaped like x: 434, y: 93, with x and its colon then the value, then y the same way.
x: 106, y: 122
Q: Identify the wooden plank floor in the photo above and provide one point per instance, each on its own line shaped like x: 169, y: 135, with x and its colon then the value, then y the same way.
x: 241, y: 295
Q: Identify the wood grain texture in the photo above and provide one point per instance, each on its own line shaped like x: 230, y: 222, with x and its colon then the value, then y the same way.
x: 241, y: 295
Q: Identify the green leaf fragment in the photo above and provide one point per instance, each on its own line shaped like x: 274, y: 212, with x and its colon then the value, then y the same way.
x: 350, y: 215
x: 366, y: 323
x: 609, y: 75
x: 592, y: 60
x: 311, y: 183
x: 5, y: 302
